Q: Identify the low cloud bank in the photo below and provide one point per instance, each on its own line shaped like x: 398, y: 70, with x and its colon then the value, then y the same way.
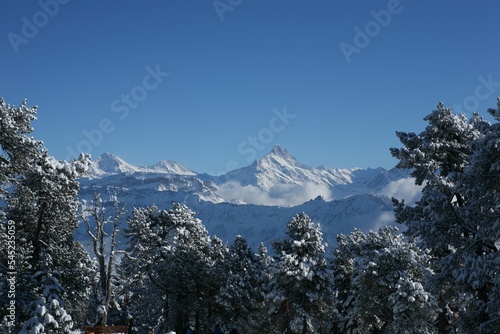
x: 403, y: 189
x: 295, y: 194
x: 281, y: 194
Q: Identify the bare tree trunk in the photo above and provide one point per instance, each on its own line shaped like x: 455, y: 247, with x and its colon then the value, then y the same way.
x: 98, y: 236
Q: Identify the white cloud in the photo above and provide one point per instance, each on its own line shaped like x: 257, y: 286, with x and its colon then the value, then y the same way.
x: 384, y: 219
x: 281, y: 194
x: 403, y: 189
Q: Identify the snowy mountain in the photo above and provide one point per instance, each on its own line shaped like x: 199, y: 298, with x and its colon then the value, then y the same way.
x: 255, y: 201
x: 278, y: 172
x: 279, y: 167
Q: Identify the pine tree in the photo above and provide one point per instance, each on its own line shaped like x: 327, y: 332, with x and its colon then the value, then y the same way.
x: 40, y: 196
x: 49, y: 315
x: 16, y: 149
x: 144, y: 269
x: 43, y: 207
x: 380, y: 280
x: 456, y: 159
x: 301, y: 293
x: 242, y: 295
x: 173, y: 250
x: 477, y: 211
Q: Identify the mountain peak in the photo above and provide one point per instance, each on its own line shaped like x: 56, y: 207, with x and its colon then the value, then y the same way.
x: 170, y: 166
x: 278, y: 150
x: 278, y: 168
x: 110, y: 163
x: 107, y: 155
x: 279, y: 158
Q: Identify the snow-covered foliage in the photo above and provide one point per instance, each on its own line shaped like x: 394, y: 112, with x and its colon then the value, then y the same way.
x: 457, y: 216
x: 242, y: 297
x: 39, y: 197
x: 380, y: 280
x: 172, y: 254
x: 442, y: 148
x: 48, y: 313
x: 301, y: 293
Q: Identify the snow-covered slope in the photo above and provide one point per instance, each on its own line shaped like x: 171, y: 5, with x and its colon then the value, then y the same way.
x: 255, y: 201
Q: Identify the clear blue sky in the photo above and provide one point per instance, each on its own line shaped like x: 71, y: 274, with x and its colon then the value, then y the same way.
x: 330, y: 81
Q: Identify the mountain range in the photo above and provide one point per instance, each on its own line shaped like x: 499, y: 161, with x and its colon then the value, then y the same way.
x: 258, y: 200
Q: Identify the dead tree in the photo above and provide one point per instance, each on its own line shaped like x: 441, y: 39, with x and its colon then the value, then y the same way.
x: 97, y: 217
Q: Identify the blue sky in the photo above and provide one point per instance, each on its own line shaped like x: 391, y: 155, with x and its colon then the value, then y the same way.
x: 215, y: 84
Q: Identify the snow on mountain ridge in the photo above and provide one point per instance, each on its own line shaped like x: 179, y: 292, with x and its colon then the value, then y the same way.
x: 279, y: 167
x: 276, y: 179
x: 109, y: 164
x: 170, y: 166
x: 276, y: 167
x: 112, y: 164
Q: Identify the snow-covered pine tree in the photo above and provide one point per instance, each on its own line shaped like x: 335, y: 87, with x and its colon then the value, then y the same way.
x: 265, y: 259
x: 43, y: 207
x: 301, y: 287
x: 40, y: 194
x: 173, y: 250
x: 144, y: 270
x: 190, y: 255
x: 216, y: 277
x: 437, y: 157
x: 478, y: 257
x: 48, y: 313
x: 441, y: 150
x: 242, y: 297
x: 15, y: 149
x: 264, y: 268
x: 456, y: 159
x: 380, y: 284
